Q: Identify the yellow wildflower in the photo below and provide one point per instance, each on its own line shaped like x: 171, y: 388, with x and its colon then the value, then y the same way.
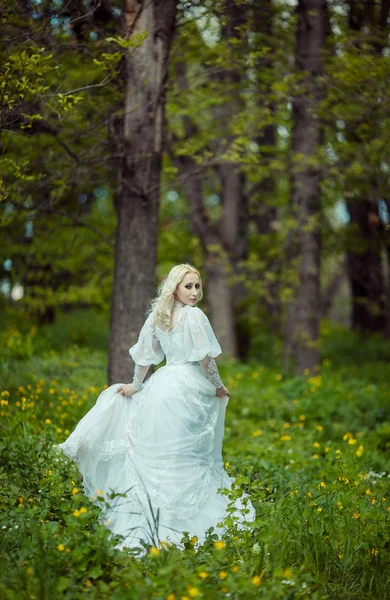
x: 222, y: 575
x: 257, y: 432
x: 368, y: 492
x: 285, y: 438
x: 360, y: 451
x: 314, y: 456
x: 203, y: 574
x: 256, y: 580
x: 319, y: 428
x: 88, y: 583
x: 316, y: 445
x: 352, y: 441
x: 322, y: 484
x: 235, y: 569
x: 171, y: 597
x: 356, y: 515
x: 320, y: 509
x: 193, y: 592
x: 75, y: 491
x: 76, y: 513
x: 154, y: 551
x: 220, y: 545
x: 60, y: 547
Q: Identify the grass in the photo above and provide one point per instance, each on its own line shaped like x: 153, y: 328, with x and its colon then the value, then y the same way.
x: 313, y: 453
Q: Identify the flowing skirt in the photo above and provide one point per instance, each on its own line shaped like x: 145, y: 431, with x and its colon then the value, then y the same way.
x: 156, y: 458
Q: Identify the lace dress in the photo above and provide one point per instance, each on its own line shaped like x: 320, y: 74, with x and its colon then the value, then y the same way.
x: 161, y: 449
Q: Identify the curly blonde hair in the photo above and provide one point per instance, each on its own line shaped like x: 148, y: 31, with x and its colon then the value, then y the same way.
x: 161, y: 306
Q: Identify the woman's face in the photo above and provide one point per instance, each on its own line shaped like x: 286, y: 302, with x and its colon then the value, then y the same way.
x: 188, y: 290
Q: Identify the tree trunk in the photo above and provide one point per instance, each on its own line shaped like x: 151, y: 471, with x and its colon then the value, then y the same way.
x: 302, y: 343
x: 137, y: 201
x: 365, y: 264
x: 263, y: 211
x: 219, y: 294
x: 365, y: 268
x: 234, y: 220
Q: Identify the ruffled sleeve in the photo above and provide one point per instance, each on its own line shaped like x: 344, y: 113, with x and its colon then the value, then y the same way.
x: 199, y: 338
x: 147, y: 351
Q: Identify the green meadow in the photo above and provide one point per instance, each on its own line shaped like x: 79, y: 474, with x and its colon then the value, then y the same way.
x: 311, y: 451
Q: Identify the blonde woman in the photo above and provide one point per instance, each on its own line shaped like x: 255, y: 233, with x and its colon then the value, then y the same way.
x: 153, y: 450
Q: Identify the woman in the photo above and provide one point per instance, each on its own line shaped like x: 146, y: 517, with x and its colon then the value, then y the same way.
x: 153, y: 451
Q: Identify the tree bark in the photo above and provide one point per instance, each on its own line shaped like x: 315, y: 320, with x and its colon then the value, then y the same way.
x: 137, y: 201
x: 365, y: 258
x: 219, y: 292
x: 303, y: 325
x: 365, y: 269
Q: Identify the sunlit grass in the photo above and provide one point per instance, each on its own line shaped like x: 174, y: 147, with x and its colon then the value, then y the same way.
x: 311, y: 451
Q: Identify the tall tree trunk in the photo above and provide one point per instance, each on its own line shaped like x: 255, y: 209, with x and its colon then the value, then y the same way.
x: 219, y: 292
x: 234, y: 220
x: 302, y: 342
x: 137, y: 201
x: 263, y: 211
x: 365, y: 268
x: 365, y: 258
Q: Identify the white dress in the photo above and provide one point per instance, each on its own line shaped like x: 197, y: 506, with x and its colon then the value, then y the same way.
x: 160, y: 449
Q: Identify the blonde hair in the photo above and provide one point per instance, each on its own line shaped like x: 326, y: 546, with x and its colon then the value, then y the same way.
x: 161, y: 306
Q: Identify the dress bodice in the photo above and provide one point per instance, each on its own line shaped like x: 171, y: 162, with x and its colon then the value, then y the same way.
x: 172, y: 342
x: 190, y: 340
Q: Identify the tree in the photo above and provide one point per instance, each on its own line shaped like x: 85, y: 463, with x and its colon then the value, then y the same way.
x: 303, y: 319
x: 137, y: 200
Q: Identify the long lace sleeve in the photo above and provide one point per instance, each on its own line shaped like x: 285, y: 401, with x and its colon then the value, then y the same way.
x: 139, y: 376
x: 210, y: 370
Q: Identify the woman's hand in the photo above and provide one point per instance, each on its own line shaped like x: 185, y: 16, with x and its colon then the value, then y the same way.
x: 126, y: 390
x: 222, y: 392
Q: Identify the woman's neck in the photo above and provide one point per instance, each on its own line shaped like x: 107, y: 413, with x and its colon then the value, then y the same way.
x: 177, y: 304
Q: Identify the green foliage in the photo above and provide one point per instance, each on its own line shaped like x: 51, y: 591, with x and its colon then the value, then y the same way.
x: 311, y: 451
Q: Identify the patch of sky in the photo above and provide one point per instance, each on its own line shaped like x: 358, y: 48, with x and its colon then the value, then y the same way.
x: 207, y: 23
x: 331, y: 153
x: 17, y: 292
x: 341, y: 213
x: 213, y: 199
x: 100, y: 193
x: 7, y: 264
x: 93, y: 35
x: 383, y: 212
x: 29, y: 229
x: 83, y: 198
x: 8, y: 210
x: 172, y: 196
x: 340, y: 136
x: 283, y: 131
x: 253, y: 146
x: 5, y: 287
